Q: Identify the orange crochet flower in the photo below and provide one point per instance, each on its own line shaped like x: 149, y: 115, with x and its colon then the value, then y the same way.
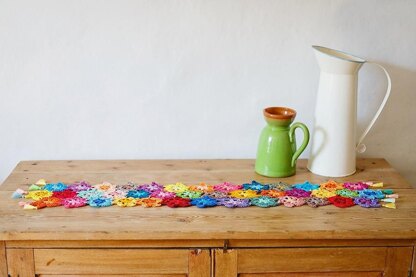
x: 273, y: 193
x: 331, y: 186
x: 149, y: 202
x: 202, y: 187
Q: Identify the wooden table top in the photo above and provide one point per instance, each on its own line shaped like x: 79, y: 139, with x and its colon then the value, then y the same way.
x: 163, y: 223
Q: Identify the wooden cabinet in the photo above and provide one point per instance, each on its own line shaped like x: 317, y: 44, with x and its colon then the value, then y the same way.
x: 221, y: 242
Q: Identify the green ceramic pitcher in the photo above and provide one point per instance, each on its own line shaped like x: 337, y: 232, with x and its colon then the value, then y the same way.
x: 277, y: 153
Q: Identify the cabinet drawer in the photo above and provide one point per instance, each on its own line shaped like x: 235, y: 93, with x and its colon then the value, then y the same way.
x: 110, y: 261
x: 312, y: 259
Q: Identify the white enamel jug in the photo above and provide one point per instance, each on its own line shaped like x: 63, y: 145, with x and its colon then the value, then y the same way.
x: 334, y: 140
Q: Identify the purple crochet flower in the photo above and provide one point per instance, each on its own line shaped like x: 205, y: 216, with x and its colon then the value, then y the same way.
x: 367, y: 203
x: 298, y: 193
x: 80, y: 186
x: 150, y: 188
x: 230, y: 202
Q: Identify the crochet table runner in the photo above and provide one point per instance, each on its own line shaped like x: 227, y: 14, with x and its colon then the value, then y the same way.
x: 79, y: 194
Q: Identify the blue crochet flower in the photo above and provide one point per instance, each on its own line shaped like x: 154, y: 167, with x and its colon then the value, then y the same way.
x: 371, y: 194
x: 204, y: 202
x: 90, y: 194
x: 100, y: 202
x: 264, y: 202
x: 306, y: 186
x: 55, y: 187
x: 255, y: 186
x: 138, y: 194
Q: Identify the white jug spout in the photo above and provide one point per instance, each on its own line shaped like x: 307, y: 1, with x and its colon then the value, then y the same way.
x: 337, y: 62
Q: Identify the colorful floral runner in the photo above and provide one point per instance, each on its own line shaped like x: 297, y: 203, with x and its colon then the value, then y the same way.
x: 79, y: 194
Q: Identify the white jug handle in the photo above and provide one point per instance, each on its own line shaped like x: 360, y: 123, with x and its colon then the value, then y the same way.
x: 360, y: 146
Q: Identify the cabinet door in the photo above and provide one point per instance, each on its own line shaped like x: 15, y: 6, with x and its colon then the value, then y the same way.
x: 313, y: 262
x: 110, y: 262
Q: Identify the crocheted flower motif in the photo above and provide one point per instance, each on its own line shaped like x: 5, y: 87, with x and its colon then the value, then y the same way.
x: 149, y: 202
x: 204, y: 202
x: 273, y: 193
x: 100, y: 202
x: 127, y: 187
x: 264, y: 202
x: 190, y: 194
x: 230, y: 202
x: 52, y: 201
x: 291, y: 201
x: 163, y: 194
x: 244, y: 194
x: 371, y: 194
x: 64, y: 194
x: 347, y: 193
x: 115, y: 193
x: 322, y: 193
x: 80, y: 186
x: 90, y: 194
x: 105, y: 187
x: 201, y: 187
x: 355, y: 186
x: 55, y: 187
x: 217, y: 194
x: 227, y: 187
x: 341, y: 202
x: 306, y: 186
x: 176, y: 188
x: 38, y: 194
x: 75, y: 202
x: 138, y: 194
x: 39, y: 204
x: 280, y: 186
x: 298, y: 192
x: 331, y: 186
x: 315, y: 202
x: 125, y: 202
x: 367, y: 203
x: 150, y: 188
x: 177, y: 202
x: 255, y: 186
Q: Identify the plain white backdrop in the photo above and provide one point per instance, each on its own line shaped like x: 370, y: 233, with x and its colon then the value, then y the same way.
x: 138, y: 79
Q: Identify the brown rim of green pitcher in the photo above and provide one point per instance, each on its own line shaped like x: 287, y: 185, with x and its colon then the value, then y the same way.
x: 279, y: 113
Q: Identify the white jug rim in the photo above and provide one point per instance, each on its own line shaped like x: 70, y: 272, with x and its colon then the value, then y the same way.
x: 338, y: 54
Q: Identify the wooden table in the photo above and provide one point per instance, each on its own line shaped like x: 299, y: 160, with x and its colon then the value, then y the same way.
x: 115, y: 241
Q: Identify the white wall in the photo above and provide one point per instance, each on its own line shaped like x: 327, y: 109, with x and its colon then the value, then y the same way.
x: 94, y: 79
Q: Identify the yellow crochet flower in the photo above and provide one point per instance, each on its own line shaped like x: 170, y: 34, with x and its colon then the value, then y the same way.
x: 244, y: 193
x: 323, y: 193
x: 125, y: 202
x: 176, y: 188
x: 38, y: 194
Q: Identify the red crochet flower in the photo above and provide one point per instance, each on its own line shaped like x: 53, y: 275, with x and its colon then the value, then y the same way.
x: 341, y: 202
x: 176, y: 202
x: 64, y: 194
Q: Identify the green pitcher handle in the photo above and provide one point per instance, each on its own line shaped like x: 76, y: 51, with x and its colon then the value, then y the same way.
x: 305, y: 139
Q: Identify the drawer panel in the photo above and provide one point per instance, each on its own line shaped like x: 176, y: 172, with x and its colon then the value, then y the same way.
x: 110, y: 261
x: 312, y: 260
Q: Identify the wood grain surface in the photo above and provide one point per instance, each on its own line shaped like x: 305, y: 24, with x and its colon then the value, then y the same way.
x: 116, y: 223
